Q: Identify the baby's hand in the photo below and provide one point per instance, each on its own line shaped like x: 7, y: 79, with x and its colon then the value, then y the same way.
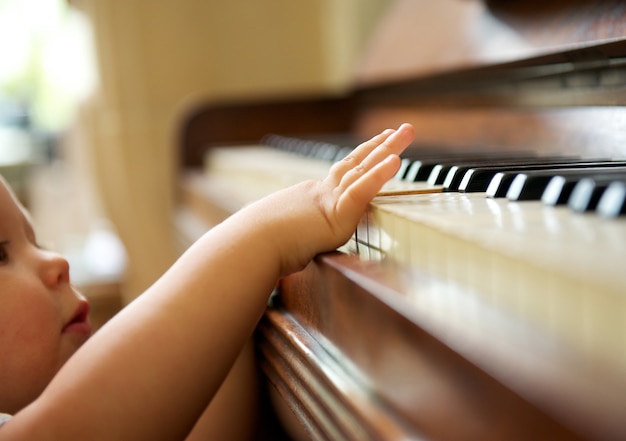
x: 319, y: 216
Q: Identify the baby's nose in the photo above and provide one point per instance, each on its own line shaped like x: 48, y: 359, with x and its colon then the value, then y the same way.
x: 55, y: 269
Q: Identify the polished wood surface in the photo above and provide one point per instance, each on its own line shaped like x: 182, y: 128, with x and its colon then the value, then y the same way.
x: 416, y: 375
x: 217, y: 124
x: 440, y: 331
x: 421, y: 38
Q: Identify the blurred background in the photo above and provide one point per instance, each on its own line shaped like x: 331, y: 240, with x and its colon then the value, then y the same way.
x: 92, y: 93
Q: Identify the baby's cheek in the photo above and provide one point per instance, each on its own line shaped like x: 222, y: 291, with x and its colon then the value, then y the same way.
x: 34, y: 333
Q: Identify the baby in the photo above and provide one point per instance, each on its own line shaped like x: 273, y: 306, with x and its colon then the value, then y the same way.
x: 153, y: 369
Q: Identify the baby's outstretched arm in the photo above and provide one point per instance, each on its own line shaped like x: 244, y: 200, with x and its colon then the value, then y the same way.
x: 151, y: 371
x: 317, y: 216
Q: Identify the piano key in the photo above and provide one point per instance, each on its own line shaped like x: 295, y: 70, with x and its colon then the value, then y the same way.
x: 531, y: 186
x: 500, y: 183
x: 324, y: 151
x: 559, y: 189
x: 497, y: 187
x: 497, y: 184
x: 342, y: 153
x: 440, y: 172
x: 454, y: 175
x: 416, y: 152
x: 535, y: 272
x: 613, y: 200
x: 460, y: 176
x: 586, y: 194
x: 404, y: 166
x: 331, y: 148
x: 421, y: 168
x: 412, y: 154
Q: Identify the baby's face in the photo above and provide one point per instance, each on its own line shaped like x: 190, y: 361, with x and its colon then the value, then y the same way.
x: 43, y: 320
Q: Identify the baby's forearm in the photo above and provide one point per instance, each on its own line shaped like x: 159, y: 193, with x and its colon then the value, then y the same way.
x: 165, y: 355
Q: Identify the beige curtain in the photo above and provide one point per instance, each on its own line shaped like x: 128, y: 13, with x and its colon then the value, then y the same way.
x: 158, y: 58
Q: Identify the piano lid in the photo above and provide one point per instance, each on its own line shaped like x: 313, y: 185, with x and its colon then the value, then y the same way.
x: 451, y: 35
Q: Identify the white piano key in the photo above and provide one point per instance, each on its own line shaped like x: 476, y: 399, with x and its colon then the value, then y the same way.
x: 541, y: 259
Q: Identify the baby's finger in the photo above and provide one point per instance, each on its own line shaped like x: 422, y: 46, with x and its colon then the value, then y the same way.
x: 356, y: 156
x: 355, y: 198
x: 392, y: 145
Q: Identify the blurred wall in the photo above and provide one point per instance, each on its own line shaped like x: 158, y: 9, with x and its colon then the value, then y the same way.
x: 157, y: 58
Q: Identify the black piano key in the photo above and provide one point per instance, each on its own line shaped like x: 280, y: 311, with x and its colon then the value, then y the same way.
x: 481, y: 179
x: 326, y: 151
x: 496, y: 182
x: 613, y: 200
x: 421, y: 169
x: 410, y: 155
x: 303, y: 147
x: 415, y: 155
x: 404, y: 166
x: 525, y: 186
x: 342, y: 153
x: 460, y: 176
x: 440, y: 172
x: 531, y: 185
x: 455, y: 174
x: 586, y: 194
x: 559, y: 189
x: 500, y: 184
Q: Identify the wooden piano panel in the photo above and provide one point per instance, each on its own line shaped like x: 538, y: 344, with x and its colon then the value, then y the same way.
x: 598, y: 131
x: 422, y: 38
x: 409, y: 380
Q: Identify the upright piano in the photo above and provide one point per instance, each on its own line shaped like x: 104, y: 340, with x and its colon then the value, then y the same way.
x: 452, y: 314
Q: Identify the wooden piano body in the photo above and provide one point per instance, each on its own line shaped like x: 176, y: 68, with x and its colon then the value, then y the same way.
x: 453, y: 331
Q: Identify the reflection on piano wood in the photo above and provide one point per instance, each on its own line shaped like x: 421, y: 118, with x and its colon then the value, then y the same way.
x: 491, y: 309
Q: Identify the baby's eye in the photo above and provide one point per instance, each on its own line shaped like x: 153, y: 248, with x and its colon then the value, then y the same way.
x: 4, y: 255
